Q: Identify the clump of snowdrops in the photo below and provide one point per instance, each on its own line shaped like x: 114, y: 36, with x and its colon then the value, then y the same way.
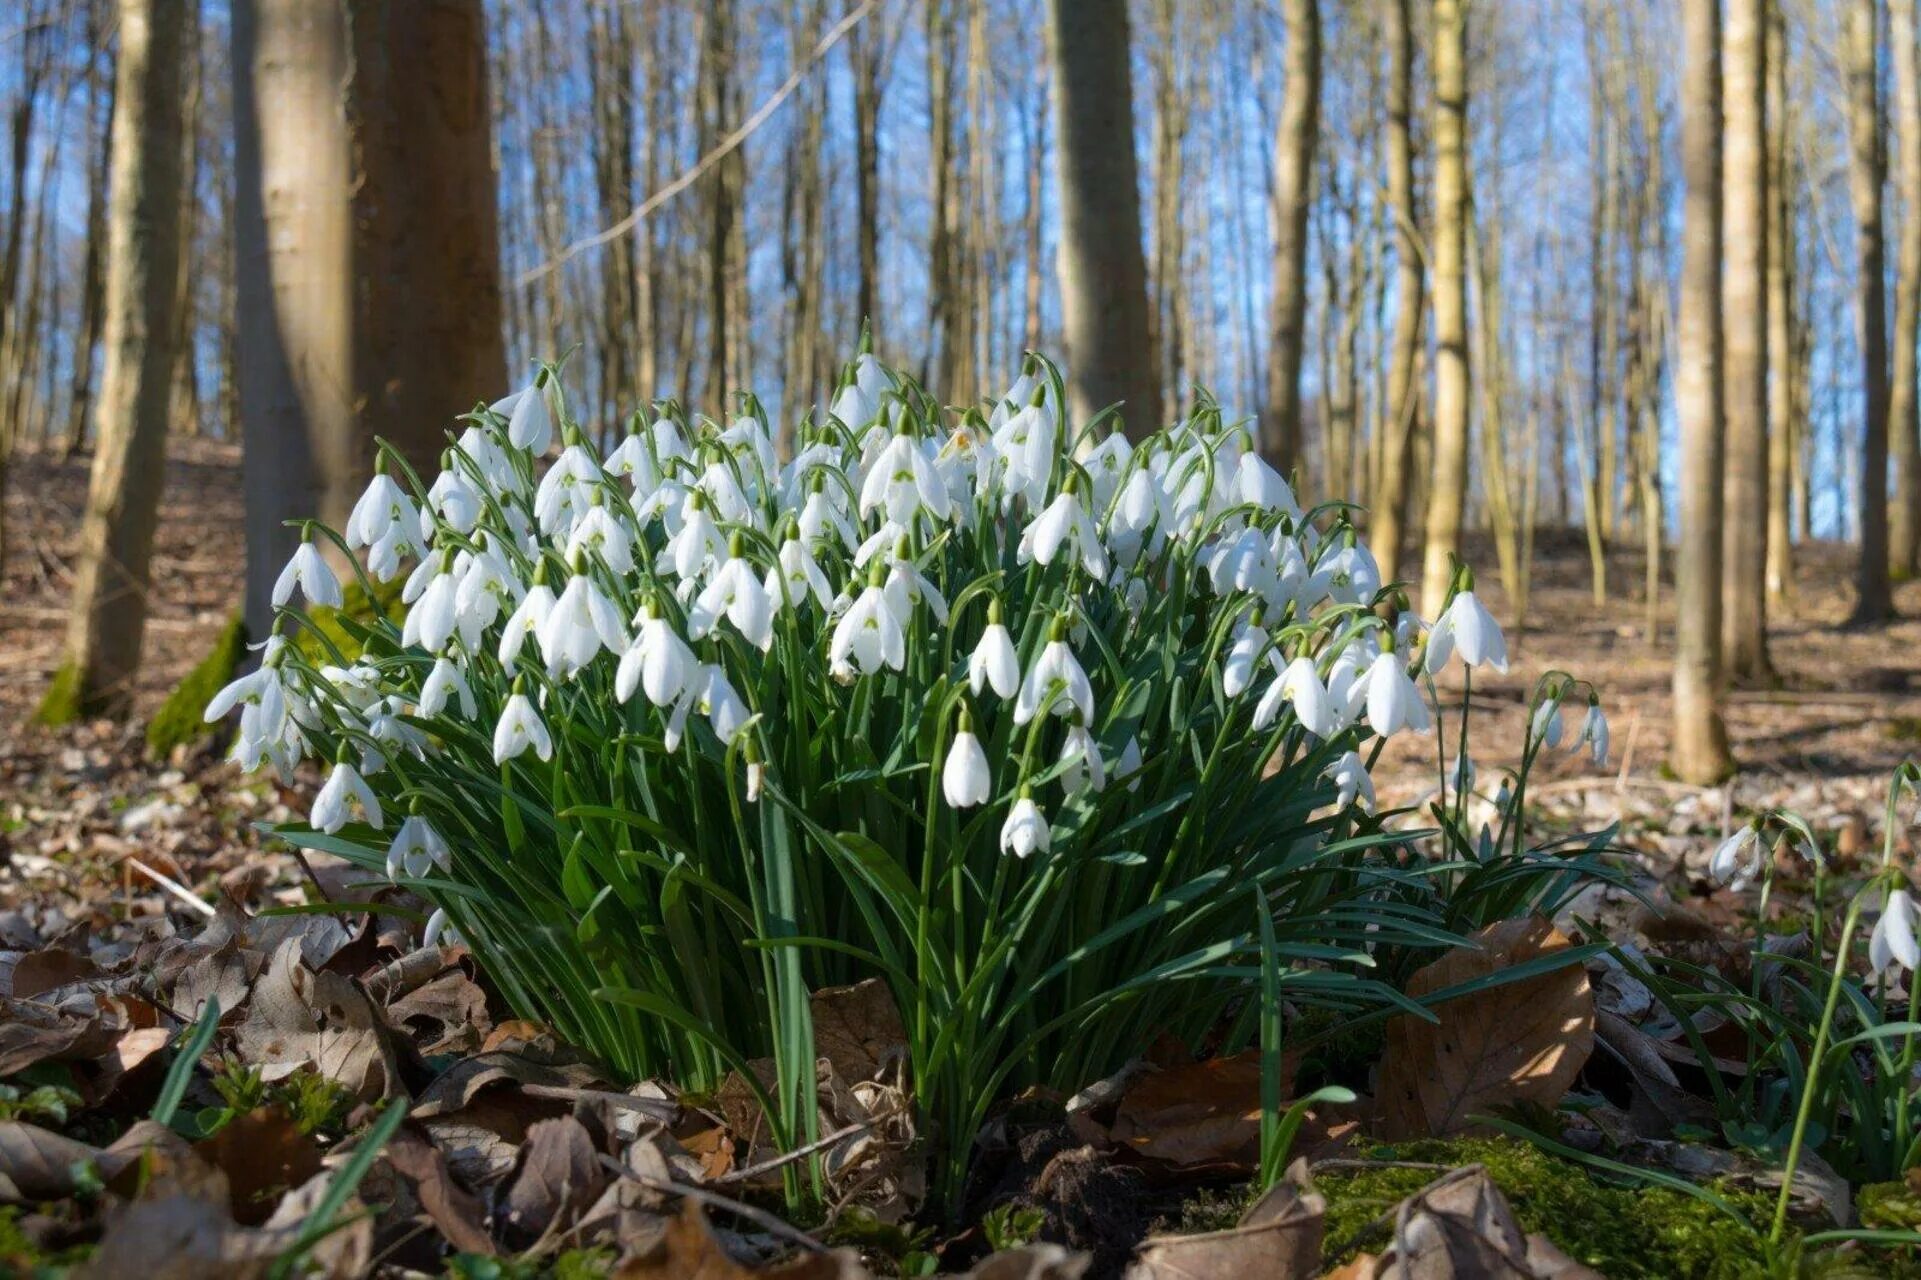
x: 1064, y: 737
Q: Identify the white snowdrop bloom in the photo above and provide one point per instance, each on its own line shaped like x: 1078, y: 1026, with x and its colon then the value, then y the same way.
x: 445, y: 681
x: 393, y: 736
x: 632, y: 461
x: 726, y: 713
x: 1064, y: 524
x: 383, y: 505
x: 1262, y: 485
x: 1893, y: 942
x: 1237, y: 669
x: 959, y: 462
x: 965, y: 779
x: 697, y: 544
x: 796, y: 575
x: 357, y: 686
x: 1128, y: 768
x: 530, y: 422
x: 659, y: 662
x: 308, y: 569
x: 1738, y: 859
x: 431, y: 621
x: 1352, y: 782
x: 1594, y: 732
x: 902, y: 482
x: 1466, y: 627
x: 1546, y: 725
x: 736, y: 593
x: 1026, y: 831
x: 1394, y: 702
x: 994, y: 661
x: 602, y: 533
x: 1056, y: 664
x: 562, y: 497
x: 486, y: 588
x: 520, y: 727
x: 416, y: 849
x: 1081, y: 758
x: 454, y: 501
x: 859, y: 402
x: 820, y: 516
x: 402, y: 539
x: 666, y: 505
x: 1106, y: 464
x: 1242, y: 562
x: 1300, y: 685
x: 1352, y: 575
x: 798, y: 476
x: 1460, y: 776
x: 1024, y: 455
x: 1294, y: 581
x: 496, y: 469
x: 344, y: 790
x: 249, y: 690
x: 747, y: 439
x: 907, y: 586
x: 730, y: 500
x: 524, y: 621
x: 867, y: 637
x: 440, y: 931
x: 581, y: 623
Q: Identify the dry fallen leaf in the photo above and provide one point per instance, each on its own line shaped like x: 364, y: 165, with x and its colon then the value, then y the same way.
x: 302, y: 1017
x: 858, y: 1029
x: 264, y: 1156
x: 1459, y: 1227
x: 456, y: 1213
x: 560, y: 1176
x: 1279, y: 1238
x: 1519, y: 1042
x: 689, y: 1250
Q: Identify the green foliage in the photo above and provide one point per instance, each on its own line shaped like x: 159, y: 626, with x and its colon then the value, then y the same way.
x: 311, y: 1101
x: 47, y: 1105
x: 62, y: 703
x: 179, y: 719
x: 1009, y: 1226
x: 21, y: 1257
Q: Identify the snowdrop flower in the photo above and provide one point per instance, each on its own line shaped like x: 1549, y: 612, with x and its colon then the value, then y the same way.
x: 520, y: 727
x: 401, y: 539
x: 698, y: 542
x: 820, y: 516
x: 485, y: 588
x: 1243, y: 562
x: 308, y: 570
x: 1892, y: 942
x: 530, y: 425
x: 383, y: 505
x: 1393, y: 700
x: 1351, y: 779
x: 443, y: 681
x: 1056, y: 664
x: 1262, y: 485
x: 1546, y: 725
x: 907, y: 586
x: 796, y: 575
x: 867, y: 637
x: 525, y: 620
x: 601, y: 532
x: 434, y: 616
x: 1594, y: 731
x: 1026, y: 831
x: 1460, y: 777
x: 344, y: 789
x: 737, y: 594
x: 1140, y: 509
x: 1299, y: 684
x: 726, y: 713
x: 1237, y: 670
x: 1466, y: 627
x: 902, y: 482
x: 1024, y: 449
x: 416, y: 849
x: 994, y: 661
x: 453, y: 500
x: 632, y: 461
x: 1738, y: 859
x: 439, y: 930
x: 1081, y: 761
x: 580, y: 624
x: 1106, y: 463
x: 249, y: 691
x: 1128, y: 768
x: 1352, y: 575
x: 659, y: 662
x: 562, y: 498
x: 965, y: 779
x: 1064, y: 524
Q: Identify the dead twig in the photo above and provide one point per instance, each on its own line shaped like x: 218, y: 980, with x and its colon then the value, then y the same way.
x: 765, y: 1221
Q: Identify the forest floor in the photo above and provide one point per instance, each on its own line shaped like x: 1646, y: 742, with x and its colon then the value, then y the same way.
x: 96, y: 958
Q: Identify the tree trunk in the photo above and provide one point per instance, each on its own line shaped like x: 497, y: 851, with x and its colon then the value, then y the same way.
x: 1700, y: 748
x: 1866, y: 172
x: 92, y: 270
x: 1401, y: 411
x: 109, y: 607
x: 1904, y: 392
x: 1293, y: 193
x: 865, y: 50
x: 1103, y: 274
x: 1744, y: 311
x: 367, y: 250
x: 1782, y: 369
x: 1448, y: 494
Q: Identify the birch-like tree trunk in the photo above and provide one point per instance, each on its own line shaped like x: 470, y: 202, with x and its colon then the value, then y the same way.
x: 1744, y: 312
x: 1784, y: 427
x: 1293, y: 193
x: 1904, y: 390
x: 1103, y: 273
x: 107, y: 622
x: 1867, y: 170
x: 1700, y: 746
x: 1447, y: 496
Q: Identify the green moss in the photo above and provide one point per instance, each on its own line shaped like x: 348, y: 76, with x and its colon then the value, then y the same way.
x: 62, y: 702
x: 180, y: 718
x: 1889, y: 1206
x: 20, y: 1256
x: 1618, y: 1230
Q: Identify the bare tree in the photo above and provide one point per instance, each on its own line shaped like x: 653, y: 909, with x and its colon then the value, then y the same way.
x: 1904, y: 392
x: 1103, y: 274
x: 1293, y: 194
x: 1744, y: 311
x: 1402, y: 407
x: 1448, y: 495
x: 1700, y: 748
x: 1867, y: 170
x: 107, y: 622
